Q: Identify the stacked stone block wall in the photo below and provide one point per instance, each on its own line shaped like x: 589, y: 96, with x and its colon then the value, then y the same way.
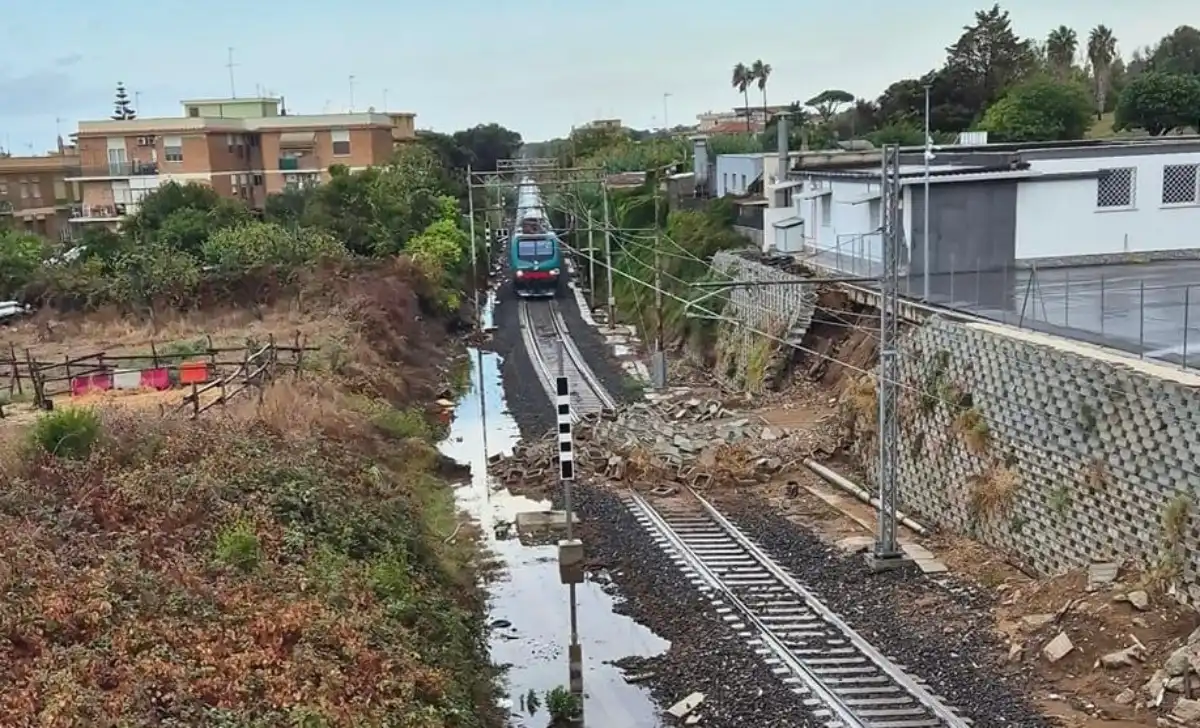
x: 1057, y: 452
x: 1054, y: 451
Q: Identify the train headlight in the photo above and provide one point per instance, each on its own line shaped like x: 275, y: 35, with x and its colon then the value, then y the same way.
x: 554, y: 271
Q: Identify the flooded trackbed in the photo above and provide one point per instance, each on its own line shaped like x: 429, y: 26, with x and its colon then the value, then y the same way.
x: 528, y: 605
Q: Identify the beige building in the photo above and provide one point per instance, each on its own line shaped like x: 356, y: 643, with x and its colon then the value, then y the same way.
x: 34, y: 193
x: 243, y: 148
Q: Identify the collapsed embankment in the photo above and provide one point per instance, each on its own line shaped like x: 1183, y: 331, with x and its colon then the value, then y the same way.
x: 1056, y: 452
x: 294, y: 561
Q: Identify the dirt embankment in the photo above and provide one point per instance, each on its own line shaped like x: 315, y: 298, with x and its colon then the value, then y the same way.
x: 292, y: 562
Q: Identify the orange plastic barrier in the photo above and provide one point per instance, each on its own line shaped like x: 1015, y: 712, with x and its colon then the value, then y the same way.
x: 193, y: 372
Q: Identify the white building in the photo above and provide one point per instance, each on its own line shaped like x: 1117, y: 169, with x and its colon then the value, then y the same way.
x: 1048, y: 206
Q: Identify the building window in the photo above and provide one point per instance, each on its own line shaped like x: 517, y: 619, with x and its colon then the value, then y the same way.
x: 826, y: 210
x: 35, y: 185
x: 173, y: 149
x: 743, y: 187
x: 1114, y: 188
x: 875, y: 214
x: 341, y: 142
x: 1179, y: 184
x: 60, y: 189
x: 258, y: 180
x: 3, y: 188
x: 725, y: 183
x: 194, y: 111
x: 24, y: 189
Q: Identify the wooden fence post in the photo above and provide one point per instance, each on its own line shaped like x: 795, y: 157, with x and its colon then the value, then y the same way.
x: 16, y: 370
x: 195, y: 401
x: 153, y: 354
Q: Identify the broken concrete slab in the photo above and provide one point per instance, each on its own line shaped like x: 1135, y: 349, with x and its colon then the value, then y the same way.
x: 1058, y: 648
x: 1101, y: 574
x: 542, y: 523
x: 687, y: 705
x: 1033, y: 622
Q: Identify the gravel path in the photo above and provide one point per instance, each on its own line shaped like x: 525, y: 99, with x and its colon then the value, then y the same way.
x: 706, y: 655
x: 941, y: 637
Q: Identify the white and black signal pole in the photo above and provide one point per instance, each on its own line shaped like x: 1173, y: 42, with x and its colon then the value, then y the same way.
x: 570, y: 550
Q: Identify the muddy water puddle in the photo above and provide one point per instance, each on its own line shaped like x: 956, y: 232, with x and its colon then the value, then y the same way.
x: 529, y: 606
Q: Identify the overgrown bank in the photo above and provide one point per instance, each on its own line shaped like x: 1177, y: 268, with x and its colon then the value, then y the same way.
x: 294, y: 562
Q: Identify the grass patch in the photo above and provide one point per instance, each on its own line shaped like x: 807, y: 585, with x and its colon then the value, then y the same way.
x: 993, y: 493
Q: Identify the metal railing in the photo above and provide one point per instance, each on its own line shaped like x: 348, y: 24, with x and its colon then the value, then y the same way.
x: 119, y: 169
x: 1148, y: 309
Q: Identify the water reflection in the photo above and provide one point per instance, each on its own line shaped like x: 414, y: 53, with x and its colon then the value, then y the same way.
x: 528, y: 604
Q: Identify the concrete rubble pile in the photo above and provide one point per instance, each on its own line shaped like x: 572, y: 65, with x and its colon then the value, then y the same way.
x: 691, y: 441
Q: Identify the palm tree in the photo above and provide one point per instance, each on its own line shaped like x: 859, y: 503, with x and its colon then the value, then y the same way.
x: 760, y: 72
x: 1061, y: 45
x: 741, y: 81
x: 1102, y: 51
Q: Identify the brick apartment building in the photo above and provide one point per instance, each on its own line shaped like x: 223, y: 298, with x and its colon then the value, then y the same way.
x: 35, y: 195
x: 243, y: 148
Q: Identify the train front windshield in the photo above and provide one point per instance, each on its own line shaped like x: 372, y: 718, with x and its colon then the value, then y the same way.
x: 536, y: 250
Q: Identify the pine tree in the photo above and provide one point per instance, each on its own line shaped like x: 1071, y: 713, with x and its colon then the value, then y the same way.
x: 122, y: 110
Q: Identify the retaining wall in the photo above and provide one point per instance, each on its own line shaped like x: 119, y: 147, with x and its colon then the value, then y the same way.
x: 746, y: 359
x: 1055, y: 451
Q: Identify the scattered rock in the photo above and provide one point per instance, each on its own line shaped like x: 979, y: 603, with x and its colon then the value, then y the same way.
x: 1102, y: 574
x: 1186, y: 711
x: 1127, y: 657
x: 1125, y: 697
x: 1034, y: 622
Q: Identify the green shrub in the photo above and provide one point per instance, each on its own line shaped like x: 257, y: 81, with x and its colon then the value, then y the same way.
x: 69, y: 433
x: 238, y: 546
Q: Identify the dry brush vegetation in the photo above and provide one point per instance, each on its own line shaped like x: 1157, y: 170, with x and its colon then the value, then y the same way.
x: 292, y: 563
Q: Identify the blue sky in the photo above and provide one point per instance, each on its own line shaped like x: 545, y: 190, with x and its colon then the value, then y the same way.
x: 536, y: 66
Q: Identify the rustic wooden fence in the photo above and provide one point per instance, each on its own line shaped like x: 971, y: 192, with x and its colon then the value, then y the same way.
x: 234, y: 368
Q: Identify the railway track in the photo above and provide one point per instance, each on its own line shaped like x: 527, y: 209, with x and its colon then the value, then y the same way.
x: 554, y: 354
x: 841, y: 677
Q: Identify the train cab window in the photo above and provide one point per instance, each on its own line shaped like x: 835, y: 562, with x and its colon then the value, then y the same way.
x: 536, y: 250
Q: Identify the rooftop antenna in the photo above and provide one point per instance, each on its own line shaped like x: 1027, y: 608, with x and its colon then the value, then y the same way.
x: 231, y: 65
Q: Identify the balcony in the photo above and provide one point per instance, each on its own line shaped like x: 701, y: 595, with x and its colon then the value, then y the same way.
x: 101, y: 213
x: 119, y: 169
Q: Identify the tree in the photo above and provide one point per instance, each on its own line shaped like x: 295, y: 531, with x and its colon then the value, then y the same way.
x: 1102, y: 50
x: 741, y: 81
x: 761, y: 72
x: 1178, y: 52
x: 21, y: 254
x: 183, y: 216
x: 828, y: 101
x: 486, y: 143
x: 1061, y: 45
x: 1041, y: 109
x: 987, y: 59
x: 122, y: 109
x: 1159, y: 103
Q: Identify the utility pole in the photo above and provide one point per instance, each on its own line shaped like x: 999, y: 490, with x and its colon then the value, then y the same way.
x: 659, y: 357
x: 608, y: 275
x: 886, y: 555
x: 230, y: 65
x: 927, y: 266
x: 591, y: 262
x: 474, y: 246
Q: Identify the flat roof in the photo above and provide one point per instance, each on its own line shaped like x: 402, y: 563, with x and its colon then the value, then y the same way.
x: 246, y: 100
x: 263, y: 123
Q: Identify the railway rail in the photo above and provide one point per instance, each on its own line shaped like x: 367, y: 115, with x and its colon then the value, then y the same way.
x: 555, y: 354
x: 845, y: 681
